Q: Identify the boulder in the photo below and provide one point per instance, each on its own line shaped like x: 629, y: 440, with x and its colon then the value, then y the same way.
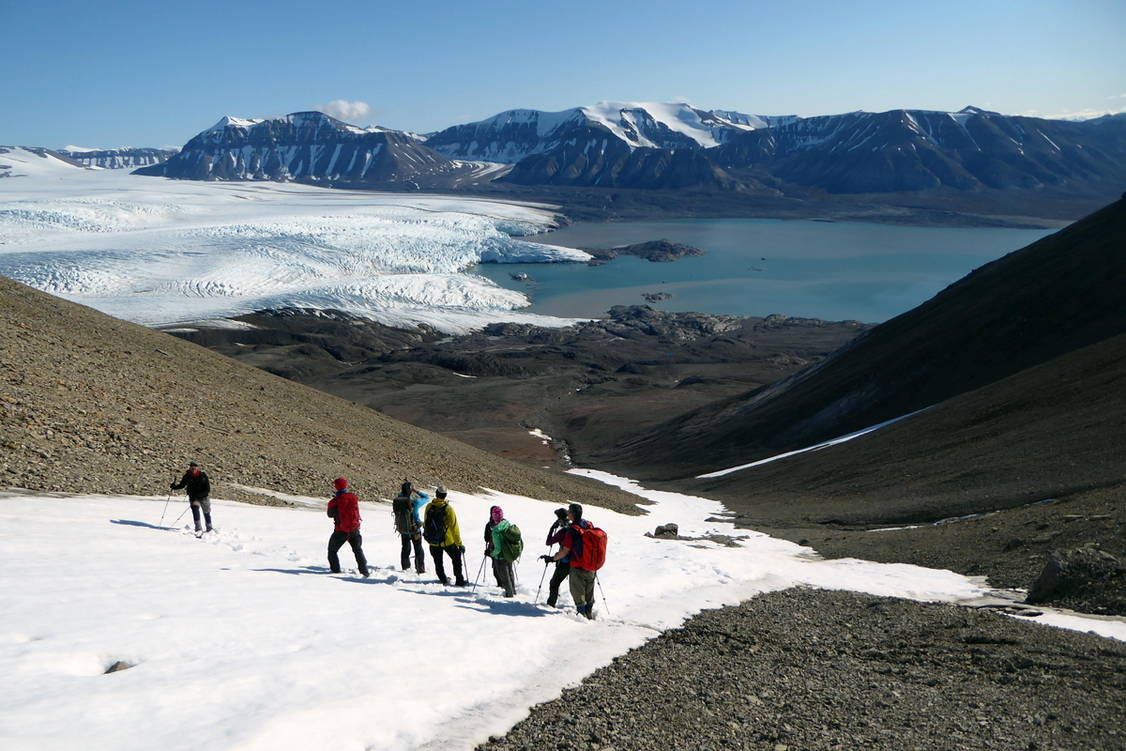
x: 1080, y: 574
x: 667, y: 530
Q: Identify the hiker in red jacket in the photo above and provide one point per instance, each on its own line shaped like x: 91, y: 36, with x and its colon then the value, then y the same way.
x: 345, y: 509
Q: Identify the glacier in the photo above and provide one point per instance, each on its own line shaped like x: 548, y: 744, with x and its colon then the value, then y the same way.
x: 164, y: 252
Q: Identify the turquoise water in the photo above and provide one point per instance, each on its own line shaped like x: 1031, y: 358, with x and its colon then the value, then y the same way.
x: 829, y: 270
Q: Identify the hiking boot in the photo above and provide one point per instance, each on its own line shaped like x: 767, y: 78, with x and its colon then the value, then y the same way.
x: 461, y: 583
x: 365, y: 574
x: 209, y: 529
x: 444, y: 580
x: 419, y: 570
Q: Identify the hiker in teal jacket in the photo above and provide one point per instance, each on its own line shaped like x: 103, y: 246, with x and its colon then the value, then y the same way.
x: 504, y: 551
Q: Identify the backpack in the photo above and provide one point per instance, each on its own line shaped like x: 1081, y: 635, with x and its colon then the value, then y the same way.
x: 592, y: 552
x: 434, y: 528
x: 404, y: 518
x: 511, y: 543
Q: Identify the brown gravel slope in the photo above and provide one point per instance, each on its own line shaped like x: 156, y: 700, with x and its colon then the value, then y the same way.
x: 810, y: 670
x: 89, y: 403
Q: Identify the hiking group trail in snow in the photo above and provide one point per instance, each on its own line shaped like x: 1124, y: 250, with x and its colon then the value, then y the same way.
x: 243, y: 639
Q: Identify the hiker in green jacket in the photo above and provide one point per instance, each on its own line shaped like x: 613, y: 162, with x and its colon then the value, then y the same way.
x: 507, y: 546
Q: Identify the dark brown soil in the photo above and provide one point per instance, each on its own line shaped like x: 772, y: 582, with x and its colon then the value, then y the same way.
x: 93, y: 404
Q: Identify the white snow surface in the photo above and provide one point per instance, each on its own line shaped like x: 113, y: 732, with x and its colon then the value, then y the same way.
x: 244, y: 640
x: 17, y: 161
x: 165, y: 252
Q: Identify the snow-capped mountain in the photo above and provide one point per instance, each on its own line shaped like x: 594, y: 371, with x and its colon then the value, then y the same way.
x: 911, y: 150
x: 126, y: 157
x: 22, y: 161
x: 306, y: 146
x: 515, y: 134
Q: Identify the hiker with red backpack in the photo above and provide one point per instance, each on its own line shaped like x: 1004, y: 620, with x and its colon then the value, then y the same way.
x: 506, y: 548
x: 439, y: 529
x: 585, y: 546
x: 344, y: 509
x: 406, y: 508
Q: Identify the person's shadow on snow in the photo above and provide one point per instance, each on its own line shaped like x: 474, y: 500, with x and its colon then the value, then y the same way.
x: 323, y: 570
x: 134, y: 523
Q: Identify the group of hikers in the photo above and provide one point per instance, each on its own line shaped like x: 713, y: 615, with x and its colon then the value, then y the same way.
x: 419, y: 518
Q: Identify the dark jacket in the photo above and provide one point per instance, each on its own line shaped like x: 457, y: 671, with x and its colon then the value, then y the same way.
x: 489, y: 536
x: 556, y: 535
x: 198, y: 485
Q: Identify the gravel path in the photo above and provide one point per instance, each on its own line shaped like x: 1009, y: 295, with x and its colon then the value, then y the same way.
x: 810, y: 669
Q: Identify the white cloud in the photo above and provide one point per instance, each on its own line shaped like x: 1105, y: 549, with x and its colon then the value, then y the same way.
x: 342, y: 109
x: 1083, y: 114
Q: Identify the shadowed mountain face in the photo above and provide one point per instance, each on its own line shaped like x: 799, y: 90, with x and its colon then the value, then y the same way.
x: 302, y: 146
x: 123, y: 158
x: 1036, y: 304
x: 914, y: 150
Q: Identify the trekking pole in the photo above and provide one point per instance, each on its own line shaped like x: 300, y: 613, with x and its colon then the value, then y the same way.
x: 181, y: 516
x: 479, y: 572
x: 601, y: 592
x: 540, y: 588
x: 162, y: 513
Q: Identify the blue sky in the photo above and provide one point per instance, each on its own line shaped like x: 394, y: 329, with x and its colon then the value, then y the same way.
x: 105, y: 73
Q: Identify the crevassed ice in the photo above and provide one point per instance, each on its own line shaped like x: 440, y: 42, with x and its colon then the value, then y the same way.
x: 161, y: 251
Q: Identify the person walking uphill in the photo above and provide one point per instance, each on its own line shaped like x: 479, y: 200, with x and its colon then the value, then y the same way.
x: 555, y: 536
x: 439, y: 529
x: 344, y: 508
x: 199, y: 492
x: 507, y: 546
x: 585, y: 546
x: 406, y: 507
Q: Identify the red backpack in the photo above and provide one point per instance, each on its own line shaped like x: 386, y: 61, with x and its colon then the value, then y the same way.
x: 592, y: 550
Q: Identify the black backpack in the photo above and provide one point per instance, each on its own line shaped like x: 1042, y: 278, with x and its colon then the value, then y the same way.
x: 404, y: 518
x: 434, y: 529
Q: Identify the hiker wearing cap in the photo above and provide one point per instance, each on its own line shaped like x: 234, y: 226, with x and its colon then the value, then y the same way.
x: 439, y: 529
x: 199, y: 492
x: 344, y: 508
x: 581, y: 581
x: 555, y: 536
x: 407, y: 508
x: 507, y: 547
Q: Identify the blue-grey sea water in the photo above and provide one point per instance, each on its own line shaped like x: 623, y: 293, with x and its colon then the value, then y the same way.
x: 813, y: 269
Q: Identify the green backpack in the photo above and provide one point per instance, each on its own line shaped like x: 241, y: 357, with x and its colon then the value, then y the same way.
x: 511, y: 543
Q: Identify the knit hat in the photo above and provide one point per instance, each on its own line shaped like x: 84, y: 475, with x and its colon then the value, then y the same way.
x: 496, y: 513
x: 340, y: 483
x: 561, y: 514
x: 192, y: 464
x: 440, y: 492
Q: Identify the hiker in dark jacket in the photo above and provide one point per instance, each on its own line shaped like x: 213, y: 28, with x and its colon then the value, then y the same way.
x: 489, y: 543
x: 562, y: 571
x: 440, y: 530
x: 199, y: 492
x: 501, y: 557
x: 581, y: 581
x: 411, y: 503
x: 344, y: 508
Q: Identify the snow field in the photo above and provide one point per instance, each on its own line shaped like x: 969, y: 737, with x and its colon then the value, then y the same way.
x: 164, y: 252
x: 243, y: 640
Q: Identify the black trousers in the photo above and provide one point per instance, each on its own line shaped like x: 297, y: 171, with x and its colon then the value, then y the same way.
x: 455, y: 555
x: 337, y: 541
x: 562, y: 571
x: 419, y: 560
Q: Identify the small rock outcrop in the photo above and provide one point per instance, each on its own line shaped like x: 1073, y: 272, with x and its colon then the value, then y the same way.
x: 1084, y: 578
x: 667, y: 530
